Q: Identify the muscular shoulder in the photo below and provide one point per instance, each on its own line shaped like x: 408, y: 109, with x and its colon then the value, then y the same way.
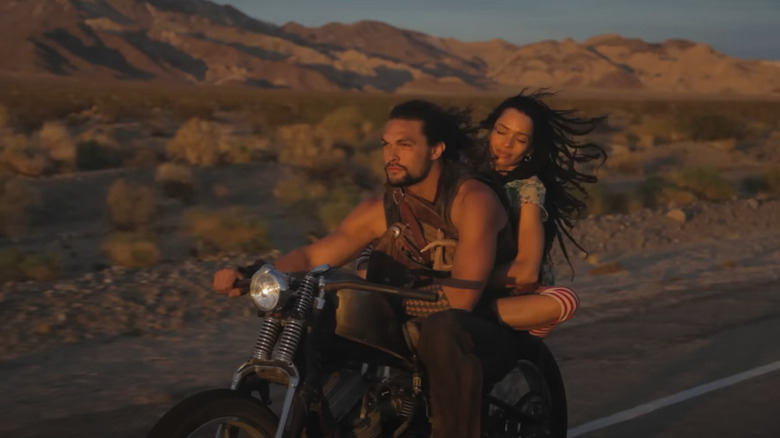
x: 475, y: 201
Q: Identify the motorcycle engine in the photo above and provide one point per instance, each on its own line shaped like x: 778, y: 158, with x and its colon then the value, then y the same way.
x: 371, y: 402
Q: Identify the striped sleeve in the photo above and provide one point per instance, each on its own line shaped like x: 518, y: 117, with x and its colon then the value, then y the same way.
x: 568, y: 301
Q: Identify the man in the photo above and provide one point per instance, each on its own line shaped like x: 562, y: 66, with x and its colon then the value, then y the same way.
x: 423, y: 145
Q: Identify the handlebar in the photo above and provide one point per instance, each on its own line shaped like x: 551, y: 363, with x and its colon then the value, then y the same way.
x: 414, y: 294
x: 360, y: 284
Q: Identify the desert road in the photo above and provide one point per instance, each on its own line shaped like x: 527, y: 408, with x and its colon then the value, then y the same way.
x: 704, y: 368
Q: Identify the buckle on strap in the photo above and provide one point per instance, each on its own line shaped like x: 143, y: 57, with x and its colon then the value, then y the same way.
x: 398, y: 195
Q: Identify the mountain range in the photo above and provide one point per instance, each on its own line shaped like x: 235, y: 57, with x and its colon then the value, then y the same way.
x: 202, y: 42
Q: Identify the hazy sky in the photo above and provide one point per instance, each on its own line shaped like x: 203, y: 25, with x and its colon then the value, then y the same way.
x: 743, y: 28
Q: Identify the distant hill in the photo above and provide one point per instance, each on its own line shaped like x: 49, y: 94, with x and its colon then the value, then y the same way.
x: 202, y: 42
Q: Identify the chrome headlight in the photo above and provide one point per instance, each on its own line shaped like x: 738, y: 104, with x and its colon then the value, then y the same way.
x: 268, y: 288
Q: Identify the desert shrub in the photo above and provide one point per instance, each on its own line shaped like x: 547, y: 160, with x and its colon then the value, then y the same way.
x: 23, y: 157
x: 603, y: 200
x: 16, y: 201
x: 20, y: 265
x: 338, y: 204
x: 177, y: 181
x: 56, y: 140
x: 133, y: 250
x: 346, y: 125
x: 705, y: 183
x: 131, y: 206
x: 196, y: 142
x: 228, y: 230
x: 206, y: 143
x: 93, y: 155
x: 710, y: 126
x: 304, y: 146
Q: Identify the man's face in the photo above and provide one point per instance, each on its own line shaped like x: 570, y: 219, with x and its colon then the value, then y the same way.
x: 407, y: 155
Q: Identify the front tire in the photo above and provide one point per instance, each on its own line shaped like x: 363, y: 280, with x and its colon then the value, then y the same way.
x: 203, y: 413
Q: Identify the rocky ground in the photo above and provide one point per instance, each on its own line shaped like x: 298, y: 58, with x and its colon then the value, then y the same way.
x: 649, y: 254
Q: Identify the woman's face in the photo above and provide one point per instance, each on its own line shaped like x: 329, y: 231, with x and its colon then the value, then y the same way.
x: 510, y: 137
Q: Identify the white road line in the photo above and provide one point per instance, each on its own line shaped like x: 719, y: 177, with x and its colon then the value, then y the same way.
x: 670, y: 400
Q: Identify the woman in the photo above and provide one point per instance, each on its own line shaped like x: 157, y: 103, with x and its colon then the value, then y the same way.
x: 535, y: 157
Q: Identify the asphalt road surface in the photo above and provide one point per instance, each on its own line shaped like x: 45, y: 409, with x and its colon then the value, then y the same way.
x: 635, y: 366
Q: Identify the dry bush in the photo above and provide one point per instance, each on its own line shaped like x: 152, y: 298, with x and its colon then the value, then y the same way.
x: 196, y: 142
x: 177, y: 181
x: 705, y: 183
x: 16, y: 201
x: 206, y: 143
x: 133, y: 250
x: 304, y: 146
x: 131, y: 206
x: 346, y: 125
x: 56, y: 140
x: 228, y: 230
x: 23, y: 157
x: 19, y: 265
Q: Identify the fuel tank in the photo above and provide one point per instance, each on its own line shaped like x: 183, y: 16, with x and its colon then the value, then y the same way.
x: 371, y: 319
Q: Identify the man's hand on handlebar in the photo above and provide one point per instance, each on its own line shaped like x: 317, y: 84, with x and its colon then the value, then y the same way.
x: 225, y: 282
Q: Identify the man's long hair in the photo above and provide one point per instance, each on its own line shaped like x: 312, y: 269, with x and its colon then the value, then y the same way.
x: 554, y: 156
x: 452, y: 126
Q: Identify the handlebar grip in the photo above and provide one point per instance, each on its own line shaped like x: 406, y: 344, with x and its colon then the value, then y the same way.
x: 243, y: 284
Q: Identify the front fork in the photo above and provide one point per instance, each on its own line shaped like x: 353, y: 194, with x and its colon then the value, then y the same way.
x: 300, y: 397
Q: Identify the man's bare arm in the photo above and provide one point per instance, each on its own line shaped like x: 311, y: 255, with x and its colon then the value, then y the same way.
x: 479, y: 217
x: 364, y: 224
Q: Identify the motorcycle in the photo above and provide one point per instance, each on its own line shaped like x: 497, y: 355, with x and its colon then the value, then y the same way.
x: 334, y: 358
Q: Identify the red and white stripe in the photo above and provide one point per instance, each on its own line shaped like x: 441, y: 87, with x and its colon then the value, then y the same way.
x: 569, y: 304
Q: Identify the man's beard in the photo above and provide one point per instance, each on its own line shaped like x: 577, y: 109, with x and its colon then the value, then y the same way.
x: 408, y: 179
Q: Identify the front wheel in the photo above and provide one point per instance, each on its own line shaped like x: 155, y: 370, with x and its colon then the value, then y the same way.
x: 234, y: 414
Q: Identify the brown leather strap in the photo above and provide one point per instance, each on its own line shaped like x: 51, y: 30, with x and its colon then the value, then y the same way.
x: 407, y: 216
